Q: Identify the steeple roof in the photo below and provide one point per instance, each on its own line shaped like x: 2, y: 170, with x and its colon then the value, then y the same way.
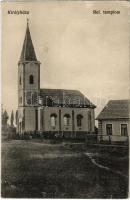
x: 28, y: 52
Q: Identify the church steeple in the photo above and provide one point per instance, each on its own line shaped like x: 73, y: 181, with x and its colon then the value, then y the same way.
x: 28, y: 52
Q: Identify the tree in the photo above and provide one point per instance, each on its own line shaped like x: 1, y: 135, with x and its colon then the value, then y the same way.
x: 5, y: 118
x: 12, y: 119
x: 16, y: 117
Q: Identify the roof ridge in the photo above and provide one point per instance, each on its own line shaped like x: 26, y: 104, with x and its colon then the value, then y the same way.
x: 119, y: 100
x: 59, y: 89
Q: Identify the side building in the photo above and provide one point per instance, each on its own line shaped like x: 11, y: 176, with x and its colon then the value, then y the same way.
x: 114, y: 121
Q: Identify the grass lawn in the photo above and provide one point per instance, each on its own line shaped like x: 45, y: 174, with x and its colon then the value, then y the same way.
x: 35, y: 169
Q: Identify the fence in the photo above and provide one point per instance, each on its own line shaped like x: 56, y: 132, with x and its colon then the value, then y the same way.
x: 89, y: 138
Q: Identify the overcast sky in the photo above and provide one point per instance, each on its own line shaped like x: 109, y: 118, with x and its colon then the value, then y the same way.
x: 77, y: 49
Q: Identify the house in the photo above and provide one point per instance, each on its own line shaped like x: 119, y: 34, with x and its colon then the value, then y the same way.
x: 114, y: 121
x: 51, y: 111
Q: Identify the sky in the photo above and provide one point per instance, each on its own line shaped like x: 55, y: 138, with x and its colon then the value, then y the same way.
x: 77, y: 49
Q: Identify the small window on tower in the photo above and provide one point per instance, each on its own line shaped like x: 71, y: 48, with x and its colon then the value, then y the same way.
x: 20, y: 100
x: 31, y: 79
x: 20, y: 80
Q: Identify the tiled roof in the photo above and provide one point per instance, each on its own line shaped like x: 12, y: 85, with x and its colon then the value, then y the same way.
x: 116, y: 109
x: 66, y: 98
x: 28, y: 52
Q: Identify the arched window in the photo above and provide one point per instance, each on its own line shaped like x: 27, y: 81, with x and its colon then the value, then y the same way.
x: 53, y: 120
x: 31, y: 79
x: 66, y: 119
x: 20, y: 80
x: 79, y: 120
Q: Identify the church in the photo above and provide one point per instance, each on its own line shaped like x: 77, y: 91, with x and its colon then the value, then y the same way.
x: 49, y: 111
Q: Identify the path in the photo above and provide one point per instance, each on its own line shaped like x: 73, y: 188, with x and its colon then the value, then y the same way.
x: 91, y: 155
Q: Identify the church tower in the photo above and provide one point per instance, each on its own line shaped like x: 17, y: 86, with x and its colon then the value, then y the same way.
x: 28, y: 86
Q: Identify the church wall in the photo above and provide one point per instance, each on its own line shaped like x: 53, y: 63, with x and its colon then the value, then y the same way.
x: 20, y: 112
x: 21, y: 98
x: 32, y: 69
x: 63, y: 112
x: 48, y: 111
x: 20, y: 85
x: 20, y: 74
x: 30, y: 119
x: 20, y: 117
x: 47, y: 121
x: 84, y: 113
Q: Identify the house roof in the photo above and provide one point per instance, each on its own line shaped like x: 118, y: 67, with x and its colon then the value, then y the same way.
x: 64, y: 98
x: 28, y: 52
x: 115, y: 109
